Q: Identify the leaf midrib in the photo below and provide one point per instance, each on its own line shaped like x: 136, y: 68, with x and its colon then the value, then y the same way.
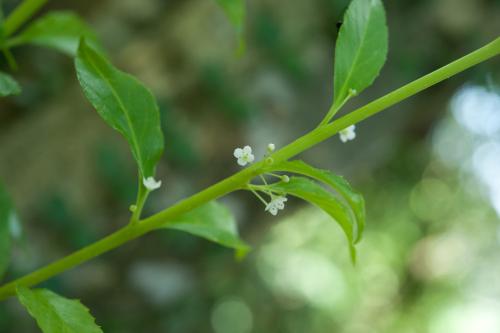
x: 356, y: 57
x: 56, y: 314
x: 124, y: 110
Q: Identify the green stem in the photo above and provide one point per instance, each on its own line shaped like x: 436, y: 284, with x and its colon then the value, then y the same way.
x: 280, y: 177
x: 11, y: 61
x: 240, y: 179
x: 21, y: 14
x: 250, y: 187
x: 142, y: 195
x: 334, y: 109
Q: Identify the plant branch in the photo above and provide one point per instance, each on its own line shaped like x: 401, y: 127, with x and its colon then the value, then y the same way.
x: 240, y: 179
x: 335, y: 108
x: 21, y: 14
x: 142, y: 195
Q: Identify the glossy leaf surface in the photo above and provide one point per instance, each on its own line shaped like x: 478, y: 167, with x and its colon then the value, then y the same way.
x: 124, y: 103
x: 56, y: 314
x: 361, y: 48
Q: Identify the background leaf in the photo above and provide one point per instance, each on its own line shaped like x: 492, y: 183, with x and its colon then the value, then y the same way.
x: 56, y: 314
x: 338, y: 183
x: 212, y: 221
x: 8, y: 86
x: 6, y: 213
x: 124, y: 103
x: 361, y: 47
x: 314, y: 193
x: 235, y: 12
x: 59, y: 30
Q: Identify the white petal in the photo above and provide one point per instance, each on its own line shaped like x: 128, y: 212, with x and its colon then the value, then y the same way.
x: 351, y: 135
x: 271, y: 147
x: 247, y: 150
x: 242, y: 161
x: 343, y: 138
x: 238, y: 152
x: 250, y: 158
x: 151, y: 184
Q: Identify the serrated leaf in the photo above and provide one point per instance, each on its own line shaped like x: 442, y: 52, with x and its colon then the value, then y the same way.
x: 56, y: 314
x: 338, y: 183
x: 212, y: 221
x: 314, y: 193
x: 8, y: 86
x: 6, y: 213
x: 361, y: 48
x: 59, y: 30
x: 124, y: 103
x: 235, y: 12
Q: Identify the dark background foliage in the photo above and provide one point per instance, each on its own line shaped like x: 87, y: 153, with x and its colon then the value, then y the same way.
x: 429, y: 261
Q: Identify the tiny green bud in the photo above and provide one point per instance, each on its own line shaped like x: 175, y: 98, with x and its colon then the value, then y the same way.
x: 285, y: 179
x: 132, y: 208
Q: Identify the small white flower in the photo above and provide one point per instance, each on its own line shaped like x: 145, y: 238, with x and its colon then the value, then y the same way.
x: 244, y: 155
x: 151, y: 184
x: 348, y: 134
x: 276, y: 204
x: 271, y: 147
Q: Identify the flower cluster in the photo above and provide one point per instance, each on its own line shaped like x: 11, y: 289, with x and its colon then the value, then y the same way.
x: 276, y: 204
x: 348, y: 134
x: 245, y: 156
x: 151, y: 184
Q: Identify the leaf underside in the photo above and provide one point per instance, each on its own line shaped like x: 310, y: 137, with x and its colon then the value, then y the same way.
x: 353, y: 198
x: 212, y: 221
x: 311, y: 191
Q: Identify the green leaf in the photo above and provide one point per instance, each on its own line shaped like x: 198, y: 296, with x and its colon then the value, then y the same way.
x: 361, y: 48
x: 212, y: 221
x: 6, y: 214
x: 235, y: 12
x: 8, y: 86
x: 56, y: 314
x: 59, y: 30
x: 314, y: 193
x: 338, y: 183
x: 124, y: 103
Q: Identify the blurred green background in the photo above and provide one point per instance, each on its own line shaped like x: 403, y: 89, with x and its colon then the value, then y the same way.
x: 429, y: 168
